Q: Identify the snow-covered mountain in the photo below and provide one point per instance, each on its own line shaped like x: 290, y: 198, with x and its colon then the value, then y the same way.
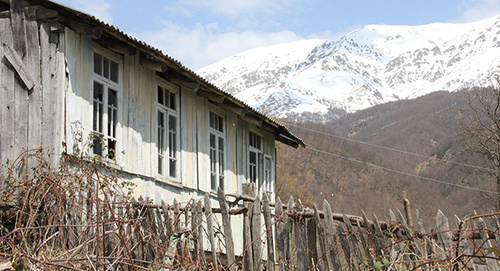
x: 372, y: 65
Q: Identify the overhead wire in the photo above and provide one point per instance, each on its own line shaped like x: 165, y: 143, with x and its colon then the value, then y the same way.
x: 393, y: 149
x: 394, y: 170
x: 401, y: 172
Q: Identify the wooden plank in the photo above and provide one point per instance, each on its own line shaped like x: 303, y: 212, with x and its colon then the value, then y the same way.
x: 372, y: 239
x: 289, y: 235
x: 256, y: 235
x: 442, y: 226
x: 490, y: 262
x: 356, y: 255
x: 52, y: 71
x: 177, y: 216
x: 18, y: 26
x: 346, y: 248
x: 280, y: 238
x: 19, y: 66
x: 226, y: 224
x: 269, y: 233
x: 364, y: 243
x: 199, y: 227
x: 302, y: 255
x: 194, y: 233
x: 7, y: 128
x: 32, y: 61
x: 248, y: 259
x: 210, y: 231
x: 322, y: 255
x: 420, y: 222
x: 331, y: 242
x: 379, y: 235
x: 310, y: 235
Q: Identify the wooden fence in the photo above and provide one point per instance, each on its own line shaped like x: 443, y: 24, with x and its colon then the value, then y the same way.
x: 56, y: 220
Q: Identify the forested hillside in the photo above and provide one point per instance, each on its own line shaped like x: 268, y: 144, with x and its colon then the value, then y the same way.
x: 365, y: 160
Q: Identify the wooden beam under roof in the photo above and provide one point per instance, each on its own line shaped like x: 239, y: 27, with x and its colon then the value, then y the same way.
x: 179, y: 80
x: 212, y: 96
x: 232, y: 107
x: 152, y: 64
x: 287, y: 141
x: 117, y: 46
x: 89, y: 30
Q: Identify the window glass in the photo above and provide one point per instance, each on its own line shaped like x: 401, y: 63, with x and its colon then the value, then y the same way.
x: 167, y: 138
x: 105, y: 105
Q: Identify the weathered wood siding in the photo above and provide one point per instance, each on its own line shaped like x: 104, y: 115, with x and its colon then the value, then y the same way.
x: 137, y: 130
x: 32, y: 83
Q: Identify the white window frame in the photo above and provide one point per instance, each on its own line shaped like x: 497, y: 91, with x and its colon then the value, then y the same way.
x: 256, y: 171
x: 217, y: 164
x: 101, y: 131
x: 165, y: 152
x: 268, y: 175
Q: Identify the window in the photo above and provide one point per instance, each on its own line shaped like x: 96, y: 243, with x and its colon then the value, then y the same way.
x: 167, y: 136
x: 217, y: 138
x: 268, y: 175
x: 260, y: 165
x: 105, y: 88
x: 255, y: 156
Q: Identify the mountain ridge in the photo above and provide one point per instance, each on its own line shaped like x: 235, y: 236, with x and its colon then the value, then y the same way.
x: 321, y: 79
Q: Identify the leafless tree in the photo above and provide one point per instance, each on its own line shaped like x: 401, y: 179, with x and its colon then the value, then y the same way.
x: 481, y: 129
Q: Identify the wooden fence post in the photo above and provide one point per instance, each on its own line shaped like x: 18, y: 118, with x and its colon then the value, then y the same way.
x: 256, y: 232
x: 228, y: 232
x: 269, y: 233
x: 321, y: 249
x: 248, y: 257
x: 210, y: 229
x: 280, y: 230
x: 300, y: 238
x: 331, y: 241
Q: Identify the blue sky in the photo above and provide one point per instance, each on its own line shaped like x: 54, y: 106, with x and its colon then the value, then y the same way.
x: 201, y: 32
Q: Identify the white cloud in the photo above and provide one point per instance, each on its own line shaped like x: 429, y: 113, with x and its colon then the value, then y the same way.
x: 233, y: 8
x: 203, y: 45
x: 478, y: 10
x: 98, y: 8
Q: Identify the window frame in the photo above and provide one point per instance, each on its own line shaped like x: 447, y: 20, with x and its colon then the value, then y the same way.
x: 218, y: 136
x: 168, y: 112
x: 264, y: 176
x: 102, y: 129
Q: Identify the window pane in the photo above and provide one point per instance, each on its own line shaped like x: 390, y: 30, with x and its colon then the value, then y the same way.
x: 212, y: 141
x: 253, y: 167
x: 160, y: 164
x: 172, y: 101
x: 172, y: 126
x: 160, y: 141
x: 105, y: 68
x: 160, y: 95
x: 212, y: 116
x: 97, y: 144
x: 114, y: 72
x: 97, y: 63
x: 221, y: 124
x: 167, y: 97
x: 172, y: 167
x: 213, y: 182
x: 111, y: 148
x: 98, y: 91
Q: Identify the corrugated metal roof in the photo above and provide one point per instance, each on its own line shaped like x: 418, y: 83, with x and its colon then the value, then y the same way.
x: 117, y: 33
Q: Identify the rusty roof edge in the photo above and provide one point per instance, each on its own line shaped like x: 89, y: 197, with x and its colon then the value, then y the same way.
x: 283, y: 130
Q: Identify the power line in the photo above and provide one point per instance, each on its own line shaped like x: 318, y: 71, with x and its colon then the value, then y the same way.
x: 395, y: 150
x: 401, y: 172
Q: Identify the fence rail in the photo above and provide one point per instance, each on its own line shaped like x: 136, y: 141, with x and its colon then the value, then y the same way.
x: 79, y: 220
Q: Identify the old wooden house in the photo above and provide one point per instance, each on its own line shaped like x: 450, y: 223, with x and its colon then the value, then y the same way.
x: 67, y: 77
